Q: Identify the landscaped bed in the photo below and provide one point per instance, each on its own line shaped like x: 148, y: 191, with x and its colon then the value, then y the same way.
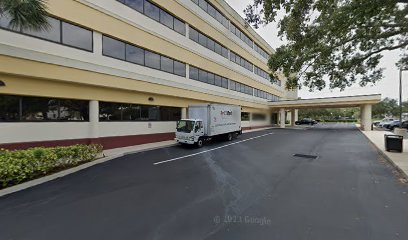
x: 23, y: 165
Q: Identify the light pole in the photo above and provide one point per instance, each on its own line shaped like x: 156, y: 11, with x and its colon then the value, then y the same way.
x: 400, y: 91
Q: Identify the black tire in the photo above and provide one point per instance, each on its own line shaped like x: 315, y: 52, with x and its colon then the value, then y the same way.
x: 200, y: 143
x: 229, y: 137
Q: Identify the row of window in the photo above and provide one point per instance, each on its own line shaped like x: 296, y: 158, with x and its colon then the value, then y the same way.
x: 265, y: 75
x: 156, y: 13
x: 208, y: 42
x: 133, y: 54
x: 109, y: 111
x: 215, y: 13
x: 32, y: 109
x: 239, y: 87
x: 262, y: 52
x: 241, y: 35
x: 245, y: 116
x: 208, y: 77
x: 59, y: 31
x: 212, y: 11
x: 266, y: 95
x: 241, y: 61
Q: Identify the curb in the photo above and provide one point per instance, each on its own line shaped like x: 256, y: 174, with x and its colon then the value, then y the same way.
x: 41, y: 180
x: 386, y: 157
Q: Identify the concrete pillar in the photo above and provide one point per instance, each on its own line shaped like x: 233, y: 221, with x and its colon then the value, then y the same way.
x: 296, y: 113
x: 293, y: 117
x: 282, y: 118
x: 94, y: 119
x: 183, y: 113
x: 366, y: 117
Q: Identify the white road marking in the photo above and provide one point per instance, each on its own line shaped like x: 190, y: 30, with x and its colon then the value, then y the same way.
x: 209, y: 150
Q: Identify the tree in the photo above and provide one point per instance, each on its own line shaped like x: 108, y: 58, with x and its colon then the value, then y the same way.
x: 25, y: 14
x: 341, y: 41
x: 387, y: 107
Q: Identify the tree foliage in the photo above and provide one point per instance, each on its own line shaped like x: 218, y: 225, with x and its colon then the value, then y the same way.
x: 341, y: 41
x: 25, y: 14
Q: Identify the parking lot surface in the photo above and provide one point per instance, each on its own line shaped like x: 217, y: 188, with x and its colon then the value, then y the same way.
x: 250, y: 188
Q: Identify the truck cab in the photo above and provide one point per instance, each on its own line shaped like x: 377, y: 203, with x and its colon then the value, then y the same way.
x: 190, y: 131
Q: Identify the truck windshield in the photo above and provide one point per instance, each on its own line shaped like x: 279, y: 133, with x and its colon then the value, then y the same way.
x: 185, y: 126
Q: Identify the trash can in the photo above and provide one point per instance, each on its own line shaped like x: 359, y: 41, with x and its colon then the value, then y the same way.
x: 393, y: 143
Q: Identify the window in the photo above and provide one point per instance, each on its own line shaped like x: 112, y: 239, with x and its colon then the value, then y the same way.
x: 152, y: 11
x: 202, y: 75
x: 15, y: 108
x: 135, y: 54
x: 244, y: 116
x: 51, y: 34
x: 258, y: 117
x: 212, y: 11
x: 156, y: 13
x: 262, y: 52
x: 166, y: 19
x: 217, y: 81
x: 208, y: 42
x: 241, y: 61
x: 179, y: 26
x: 193, y: 73
x: 76, y: 36
x: 241, y: 35
x: 113, y: 48
x: 193, y: 34
x: 224, y: 83
x: 152, y: 60
x: 132, y: 112
x: 167, y: 64
x: 135, y: 4
x: 59, y: 32
x: 179, y: 68
x: 211, y: 79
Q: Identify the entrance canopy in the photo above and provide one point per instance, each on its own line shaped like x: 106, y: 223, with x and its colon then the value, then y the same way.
x: 331, y: 102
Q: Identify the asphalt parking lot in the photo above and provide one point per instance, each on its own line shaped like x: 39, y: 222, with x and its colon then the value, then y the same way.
x: 250, y: 188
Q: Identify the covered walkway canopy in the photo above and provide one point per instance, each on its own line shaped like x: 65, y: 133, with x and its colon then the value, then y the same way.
x: 363, y: 101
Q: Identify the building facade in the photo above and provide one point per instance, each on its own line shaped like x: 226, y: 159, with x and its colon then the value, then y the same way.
x: 121, y: 72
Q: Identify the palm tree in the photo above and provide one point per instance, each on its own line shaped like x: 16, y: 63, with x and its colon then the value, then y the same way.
x: 25, y: 14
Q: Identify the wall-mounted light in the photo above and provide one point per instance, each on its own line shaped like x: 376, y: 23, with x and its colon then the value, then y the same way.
x: 151, y: 99
x: 2, y: 84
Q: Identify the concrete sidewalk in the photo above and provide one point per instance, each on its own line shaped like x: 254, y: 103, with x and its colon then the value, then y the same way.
x: 399, y: 160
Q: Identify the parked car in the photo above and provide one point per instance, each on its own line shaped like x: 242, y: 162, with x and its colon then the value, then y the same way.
x: 307, y: 121
x: 404, y: 124
x: 376, y: 123
x: 386, y: 121
x: 392, y: 125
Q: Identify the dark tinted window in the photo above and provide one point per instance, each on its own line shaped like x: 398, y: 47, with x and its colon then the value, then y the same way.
x: 202, y: 39
x: 152, y: 60
x: 179, y: 68
x: 15, y: 108
x: 193, y: 73
x: 217, y: 81
x: 135, y: 4
x: 244, y: 116
x: 76, y: 36
x: 152, y: 11
x: 193, y: 34
x: 52, y: 34
x: 113, y: 48
x: 167, y: 64
x: 211, y: 79
x: 134, y: 54
x: 166, y: 19
x: 202, y: 75
x: 225, y: 83
x: 179, y: 26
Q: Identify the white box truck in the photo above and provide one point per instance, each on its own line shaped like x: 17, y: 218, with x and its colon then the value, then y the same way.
x: 207, y: 121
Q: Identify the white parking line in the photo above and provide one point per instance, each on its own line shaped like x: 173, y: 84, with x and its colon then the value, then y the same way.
x: 209, y: 150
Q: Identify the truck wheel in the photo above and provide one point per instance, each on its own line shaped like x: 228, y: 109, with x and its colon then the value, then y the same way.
x: 229, y: 137
x: 199, y: 143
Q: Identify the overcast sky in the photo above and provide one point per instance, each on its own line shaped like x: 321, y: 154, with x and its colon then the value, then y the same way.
x: 388, y: 86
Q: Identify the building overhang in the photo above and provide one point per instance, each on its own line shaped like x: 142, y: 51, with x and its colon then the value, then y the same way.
x: 331, y: 102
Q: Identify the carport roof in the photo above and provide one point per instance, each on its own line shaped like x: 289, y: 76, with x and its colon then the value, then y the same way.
x: 332, y: 102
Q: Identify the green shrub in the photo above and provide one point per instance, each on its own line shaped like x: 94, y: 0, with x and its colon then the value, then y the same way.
x: 23, y: 165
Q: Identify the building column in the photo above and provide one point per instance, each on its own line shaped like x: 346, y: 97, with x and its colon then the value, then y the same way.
x: 293, y: 115
x: 282, y: 118
x: 366, y: 120
x: 296, y: 113
x: 183, y: 113
x: 94, y: 119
